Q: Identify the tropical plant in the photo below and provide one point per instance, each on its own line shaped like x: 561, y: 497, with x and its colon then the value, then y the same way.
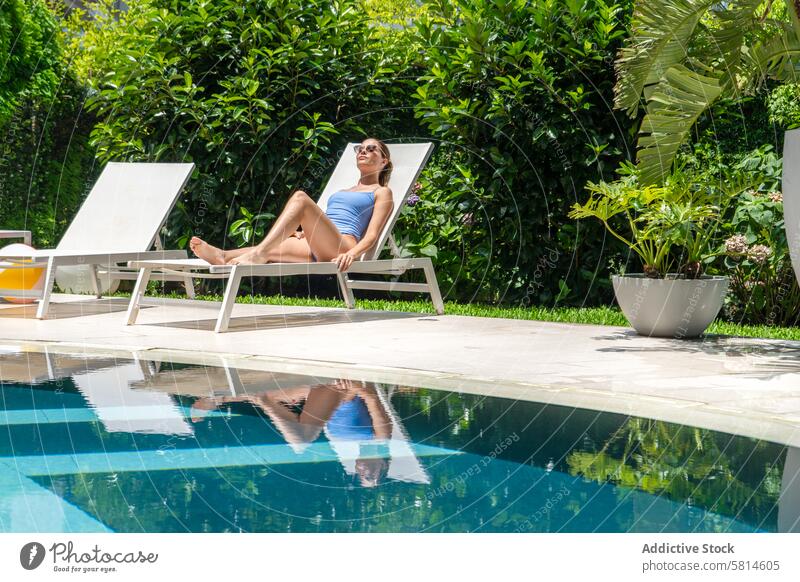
x: 763, y: 286
x: 670, y: 227
x: 685, y: 55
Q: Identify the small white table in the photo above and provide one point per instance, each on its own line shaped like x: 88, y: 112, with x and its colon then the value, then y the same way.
x: 25, y: 235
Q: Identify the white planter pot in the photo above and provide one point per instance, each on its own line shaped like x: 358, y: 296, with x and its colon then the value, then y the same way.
x: 679, y: 308
x: 791, y: 195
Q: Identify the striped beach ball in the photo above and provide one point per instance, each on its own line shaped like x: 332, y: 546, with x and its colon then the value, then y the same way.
x: 25, y: 279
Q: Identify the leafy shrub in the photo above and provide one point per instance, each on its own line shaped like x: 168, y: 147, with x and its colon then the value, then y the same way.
x: 520, y: 93
x: 45, y: 161
x: 784, y: 106
x: 443, y: 220
x: 260, y: 94
x: 763, y: 286
x: 30, y: 67
x: 250, y: 228
x: 732, y: 129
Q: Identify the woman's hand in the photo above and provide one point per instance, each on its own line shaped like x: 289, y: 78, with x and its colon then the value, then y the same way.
x: 344, y: 260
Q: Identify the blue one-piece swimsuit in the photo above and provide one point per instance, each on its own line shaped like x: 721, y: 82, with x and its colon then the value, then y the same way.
x: 350, y: 212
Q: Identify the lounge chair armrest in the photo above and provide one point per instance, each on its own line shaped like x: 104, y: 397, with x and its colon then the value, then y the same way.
x: 25, y: 235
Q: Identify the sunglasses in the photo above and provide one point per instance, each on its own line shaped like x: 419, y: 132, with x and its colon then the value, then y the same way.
x: 365, y: 148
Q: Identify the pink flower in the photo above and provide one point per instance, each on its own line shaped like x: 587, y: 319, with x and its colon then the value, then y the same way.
x: 759, y: 253
x: 736, y: 245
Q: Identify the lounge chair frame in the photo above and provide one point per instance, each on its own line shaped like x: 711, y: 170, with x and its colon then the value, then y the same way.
x: 25, y: 235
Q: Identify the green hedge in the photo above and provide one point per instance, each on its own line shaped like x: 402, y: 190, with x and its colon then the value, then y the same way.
x: 45, y: 162
x: 261, y: 94
x: 521, y: 93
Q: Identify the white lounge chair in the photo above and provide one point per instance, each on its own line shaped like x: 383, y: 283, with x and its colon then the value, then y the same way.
x: 35, y: 367
x: 408, y: 161
x: 118, y: 222
x: 106, y: 385
x: 404, y: 465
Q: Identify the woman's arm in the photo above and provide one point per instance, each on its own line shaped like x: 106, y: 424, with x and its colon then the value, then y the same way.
x: 381, y: 421
x: 383, y: 208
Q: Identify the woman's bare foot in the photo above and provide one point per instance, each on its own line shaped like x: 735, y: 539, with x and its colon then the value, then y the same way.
x: 207, y: 252
x: 249, y: 258
x: 201, y: 407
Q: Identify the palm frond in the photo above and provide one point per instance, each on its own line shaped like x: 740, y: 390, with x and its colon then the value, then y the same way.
x: 734, y: 20
x: 660, y: 34
x: 777, y: 58
x: 674, y: 106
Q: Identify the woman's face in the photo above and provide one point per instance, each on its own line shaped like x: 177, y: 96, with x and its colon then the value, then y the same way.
x: 369, y: 156
x: 371, y: 472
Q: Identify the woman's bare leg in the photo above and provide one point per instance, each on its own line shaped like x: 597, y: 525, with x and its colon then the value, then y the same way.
x: 324, y: 239
x: 292, y: 250
x: 321, y: 403
x: 212, y: 254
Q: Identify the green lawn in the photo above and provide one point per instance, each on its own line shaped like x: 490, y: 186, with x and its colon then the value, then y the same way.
x: 590, y: 315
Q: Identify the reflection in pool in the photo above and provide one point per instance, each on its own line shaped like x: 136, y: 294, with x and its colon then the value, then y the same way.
x: 109, y: 444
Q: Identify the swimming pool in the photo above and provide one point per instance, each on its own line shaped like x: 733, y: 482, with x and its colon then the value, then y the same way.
x: 98, y: 443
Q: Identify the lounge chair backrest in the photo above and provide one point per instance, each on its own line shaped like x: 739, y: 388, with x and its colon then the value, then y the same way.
x: 126, y: 207
x: 108, y: 392
x: 408, y: 160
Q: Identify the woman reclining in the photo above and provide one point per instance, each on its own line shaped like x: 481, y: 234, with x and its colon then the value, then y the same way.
x: 348, y: 228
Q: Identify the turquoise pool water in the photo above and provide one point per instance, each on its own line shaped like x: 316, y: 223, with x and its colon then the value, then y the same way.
x: 109, y: 444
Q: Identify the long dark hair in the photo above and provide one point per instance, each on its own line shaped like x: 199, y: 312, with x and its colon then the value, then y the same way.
x: 386, y: 172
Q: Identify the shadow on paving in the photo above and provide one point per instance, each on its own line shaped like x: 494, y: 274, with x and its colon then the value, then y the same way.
x: 69, y: 309
x: 771, y: 358
x: 280, y: 321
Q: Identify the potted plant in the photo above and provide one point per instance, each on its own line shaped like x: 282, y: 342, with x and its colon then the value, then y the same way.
x: 671, y: 229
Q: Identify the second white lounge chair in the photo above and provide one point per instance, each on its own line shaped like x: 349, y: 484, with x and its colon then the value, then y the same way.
x: 118, y: 222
